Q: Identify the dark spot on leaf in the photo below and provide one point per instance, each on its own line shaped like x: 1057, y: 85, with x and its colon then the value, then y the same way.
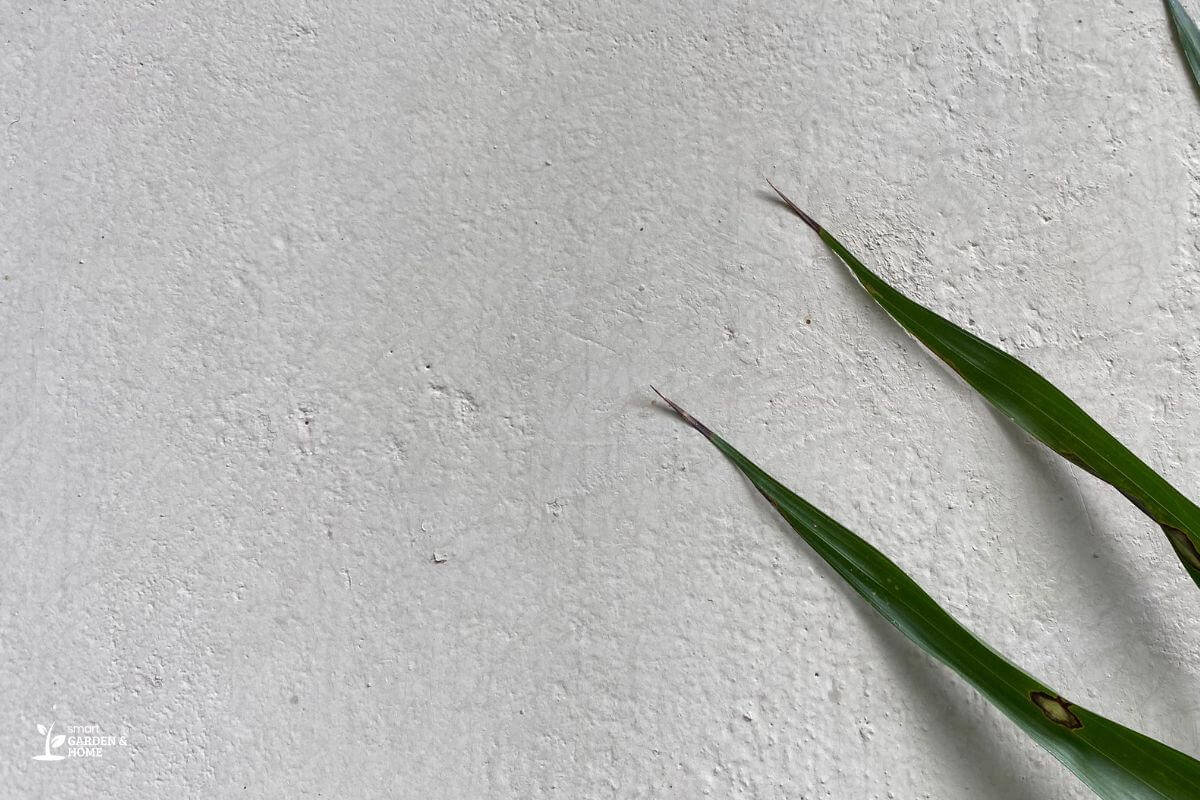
x: 1056, y: 709
x: 1137, y: 502
x: 1077, y: 461
x: 1184, y: 546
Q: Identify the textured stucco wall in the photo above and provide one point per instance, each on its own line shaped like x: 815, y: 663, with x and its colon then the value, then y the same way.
x: 328, y: 466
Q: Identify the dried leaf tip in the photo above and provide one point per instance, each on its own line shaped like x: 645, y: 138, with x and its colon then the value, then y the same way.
x: 685, y: 416
x: 795, y: 209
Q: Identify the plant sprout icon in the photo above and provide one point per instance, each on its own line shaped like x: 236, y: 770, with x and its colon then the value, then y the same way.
x: 55, y: 742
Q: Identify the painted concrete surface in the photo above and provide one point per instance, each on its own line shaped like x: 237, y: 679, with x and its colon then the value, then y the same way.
x: 329, y: 462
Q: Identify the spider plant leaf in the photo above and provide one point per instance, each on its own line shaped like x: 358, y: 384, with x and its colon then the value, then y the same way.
x: 1036, y: 405
x: 1115, y: 761
x: 1189, y: 36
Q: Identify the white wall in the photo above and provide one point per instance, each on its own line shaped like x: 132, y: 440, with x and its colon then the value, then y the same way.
x: 299, y: 300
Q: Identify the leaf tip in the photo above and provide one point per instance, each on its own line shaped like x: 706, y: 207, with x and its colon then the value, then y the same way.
x: 683, y: 415
x: 795, y: 209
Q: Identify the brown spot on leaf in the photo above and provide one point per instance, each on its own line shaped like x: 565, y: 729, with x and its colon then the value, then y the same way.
x: 1057, y: 709
x: 1138, y: 503
x: 1184, y: 546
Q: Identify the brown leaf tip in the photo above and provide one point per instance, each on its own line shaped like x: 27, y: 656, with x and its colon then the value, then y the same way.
x: 683, y: 415
x: 795, y: 209
x: 1056, y: 709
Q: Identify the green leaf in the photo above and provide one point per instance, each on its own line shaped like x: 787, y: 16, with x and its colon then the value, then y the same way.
x: 1189, y: 36
x: 1036, y: 405
x: 1113, y: 760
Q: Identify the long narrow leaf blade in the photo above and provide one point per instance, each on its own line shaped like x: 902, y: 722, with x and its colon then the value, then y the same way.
x: 1036, y: 405
x: 1189, y: 36
x: 1113, y: 760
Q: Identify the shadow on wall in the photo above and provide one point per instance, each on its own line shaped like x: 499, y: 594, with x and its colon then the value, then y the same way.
x: 984, y: 768
x: 969, y: 750
x: 1110, y: 584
